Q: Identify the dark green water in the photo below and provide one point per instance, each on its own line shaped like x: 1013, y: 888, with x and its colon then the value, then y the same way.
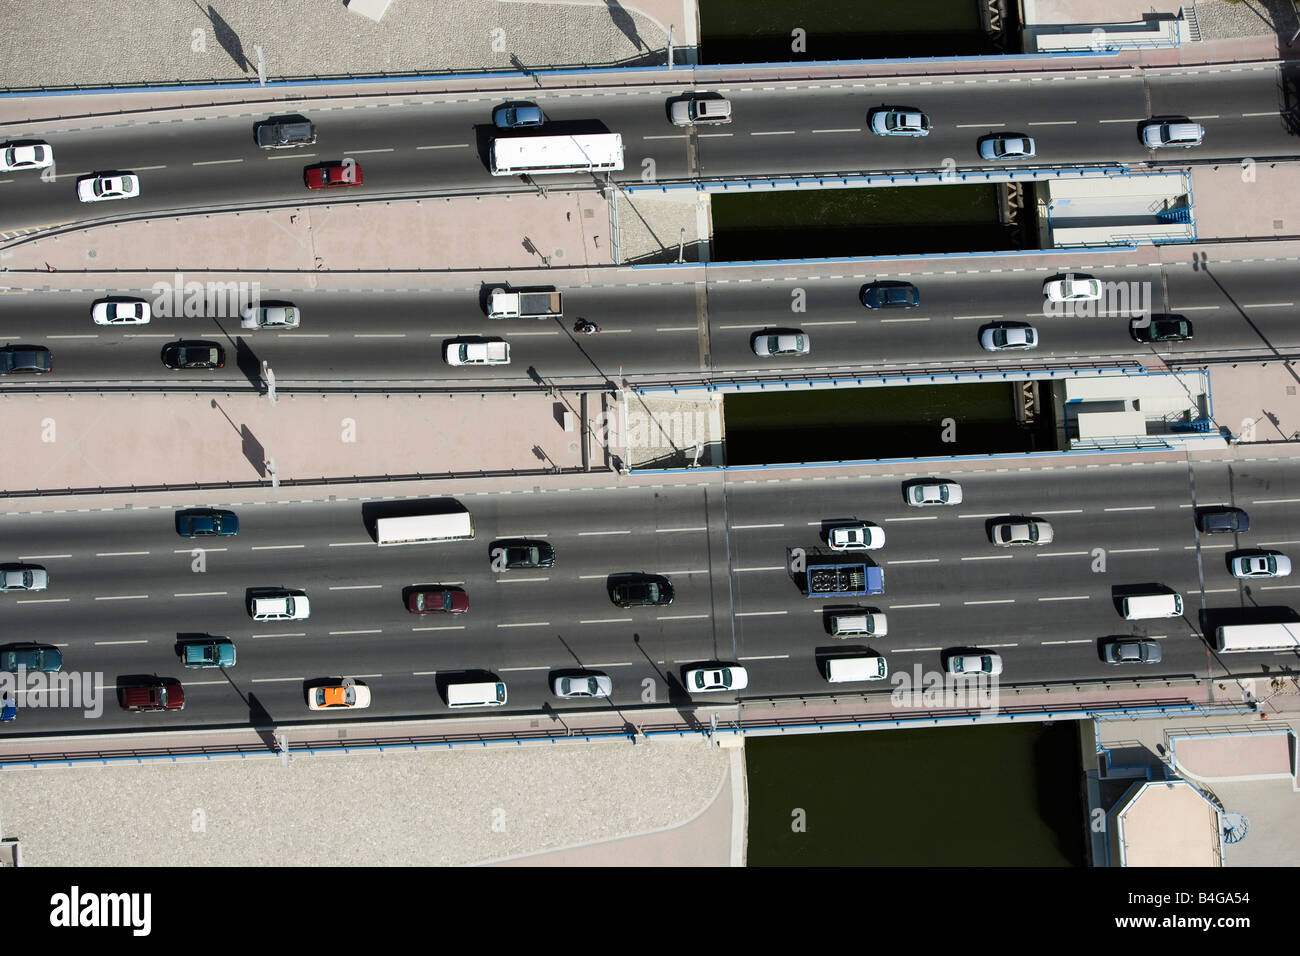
x: 1000, y: 795
x: 762, y: 31
x: 899, y: 220
x: 898, y: 422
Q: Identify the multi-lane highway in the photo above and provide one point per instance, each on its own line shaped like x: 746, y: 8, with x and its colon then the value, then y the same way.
x: 124, y: 588
x: 1238, y: 308
x: 188, y: 161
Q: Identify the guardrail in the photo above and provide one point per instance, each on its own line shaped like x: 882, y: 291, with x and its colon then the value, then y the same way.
x: 654, y: 62
x: 1137, y: 708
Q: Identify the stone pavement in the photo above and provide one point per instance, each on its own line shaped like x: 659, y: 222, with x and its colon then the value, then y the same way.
x: 148, y: 438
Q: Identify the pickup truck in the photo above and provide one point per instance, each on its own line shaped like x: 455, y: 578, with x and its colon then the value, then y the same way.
x: 478, y: 353
x: 844, y: 580
x: 217, y: 652
x: 525, y: 304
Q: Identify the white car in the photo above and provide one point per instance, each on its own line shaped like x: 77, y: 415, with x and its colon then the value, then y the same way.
x: 271, y: 317
x: 280, y: 606
x: 30, y: 578
x: 717, y: 677
x: 1017, y: 531
x: 110, y: 186
x: 856, y: 537
x: 935, y: 493
x: 26, y: 156
x: 895, y: 122
x: 1005, y: 338
x: 1006, y: 146
x: 985, y: 663
x: 1260, y: 564
x: 781, y: 342
x: 477, y: 353
x: 346, y: 694
x: 121, y: 312
x: 1156, y: 134
x: 583, y: 685
x: 1073, y: 288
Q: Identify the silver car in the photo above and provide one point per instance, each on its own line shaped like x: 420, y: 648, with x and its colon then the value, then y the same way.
x: 891, y: 121
x: 26, y: 578
x: 271, y: 317
x: 1132, y: 652
x: 924, y: 494
x: 856, y: 537
x: 1017, y: 531
x: 1002, y: 147
x: 985, y: 662
x: 1259, y: 564
x: 773, y: 342
x: 583, y: 685
x: 1006, y: 338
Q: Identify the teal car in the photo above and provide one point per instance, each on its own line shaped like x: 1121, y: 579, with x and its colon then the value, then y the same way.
x: 217, y: 652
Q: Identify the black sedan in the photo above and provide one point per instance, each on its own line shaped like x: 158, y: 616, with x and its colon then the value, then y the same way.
x: 194, y: 354
x: 643, y: 590
x: 513, y: 553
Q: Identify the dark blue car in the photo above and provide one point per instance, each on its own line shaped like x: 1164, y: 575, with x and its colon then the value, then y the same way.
x: 517, y: 116
x: 201, y: 522
x: 890, y: 295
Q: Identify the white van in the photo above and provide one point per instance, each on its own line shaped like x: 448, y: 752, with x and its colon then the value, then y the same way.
x: 855, y: 623
x: 1139, y: 607
x: 483, y: 694
x: 840, y: 670
x: 280, y: 606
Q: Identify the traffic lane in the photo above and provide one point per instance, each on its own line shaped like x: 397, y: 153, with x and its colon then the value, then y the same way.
x: 1242, y: 115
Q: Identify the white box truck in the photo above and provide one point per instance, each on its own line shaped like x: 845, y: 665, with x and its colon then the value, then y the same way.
x: 525, y: 304
x: 423, y: 529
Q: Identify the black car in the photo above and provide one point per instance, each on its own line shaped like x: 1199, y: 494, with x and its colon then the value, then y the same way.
x: 890, y: 295
x: 1161, y: 328
x: 646, y: 590
x: 1221, y: 519
x: 201, y: 522
x: 194, y: 354
x: 25, y: 358
x: 521, y: 553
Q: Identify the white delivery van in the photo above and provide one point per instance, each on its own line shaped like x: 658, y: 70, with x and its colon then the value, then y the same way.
x: 840, y: 670
x: 1139, y: 607
x: 853, y: 623
x: 481, y: 694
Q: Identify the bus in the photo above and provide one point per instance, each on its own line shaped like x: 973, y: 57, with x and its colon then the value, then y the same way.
x: 423, y: 529
x: 517, y: 155
x: 1257, y: 637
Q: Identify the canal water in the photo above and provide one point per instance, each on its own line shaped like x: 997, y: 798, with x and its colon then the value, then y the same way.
x: 997, y: 795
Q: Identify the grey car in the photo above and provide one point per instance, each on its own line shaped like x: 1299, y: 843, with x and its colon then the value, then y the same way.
x: 1001, y: 147
x: 773, y: 342
x: 1222, y: 519
x: 28, y: 577
x: 890, y: 295
x: 1132, y: 652
x: 517, y: 116
x: 35, y: 359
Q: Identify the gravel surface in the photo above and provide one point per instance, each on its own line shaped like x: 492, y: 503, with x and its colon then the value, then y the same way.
x: 434, y: 808
x: 57, y: 43
x: 650, y: 229
x: 1222, y: 20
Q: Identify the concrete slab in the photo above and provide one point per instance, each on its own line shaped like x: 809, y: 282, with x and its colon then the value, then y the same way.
x: 1224, y: 757
x: 1257, y: 402
x: 180, y: 438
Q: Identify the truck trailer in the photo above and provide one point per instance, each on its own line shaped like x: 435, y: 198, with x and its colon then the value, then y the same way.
x: 525, y: 304
x: 844, y: 580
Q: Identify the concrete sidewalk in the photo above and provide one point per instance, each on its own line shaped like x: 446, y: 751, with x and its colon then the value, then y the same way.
x: 149, y: 438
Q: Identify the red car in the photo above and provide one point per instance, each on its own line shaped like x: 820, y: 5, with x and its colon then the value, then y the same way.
x: 328, y: 175
x: 437, y: 601
x: 162, y: 693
